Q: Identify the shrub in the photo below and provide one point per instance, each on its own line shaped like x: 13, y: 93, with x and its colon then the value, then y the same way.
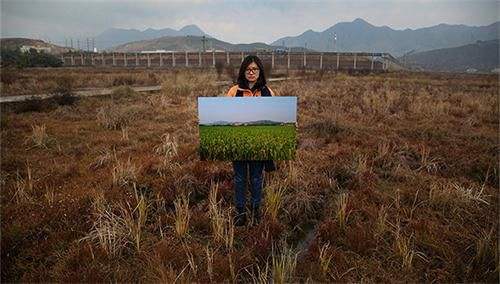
x: 126, y: 80
x: 112, y: 116
x: 64, y: 91
x: 32, y: 58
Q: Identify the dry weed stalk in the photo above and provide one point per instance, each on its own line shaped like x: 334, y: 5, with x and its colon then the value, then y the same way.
x: 182, y: 215
x: 38, y: 137
x: 261, y: 276
x: 49, y: 195
x: 167, y: 149
x: 103, y: 158
x: 112, y: 116
x: 23, y: 187
x: 383, y: 150
x: 231, y: 268
x: 443, y: 193
x: 470, y: 193
x: 485, y: 247
x: 381, y: 223
x: 221, y: 221
x: 403, y: 248
x: 135, y: 219
x: 325, y: 258
x: 124, y: 173
x: 431, y: 165
x: 361, y: 165
x: 191, y: 262
x: 109, y: 231
x: 274, y: 200
x: 284, y: 265
x: 342, y: 214
x: 210, y: 261
x: 124, y: 131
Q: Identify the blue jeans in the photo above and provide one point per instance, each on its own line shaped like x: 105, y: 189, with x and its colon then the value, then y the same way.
x: 240, y: 181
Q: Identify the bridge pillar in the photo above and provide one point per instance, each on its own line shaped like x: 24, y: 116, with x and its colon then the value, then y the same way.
x: 288, y: 60
x: 272, y: 59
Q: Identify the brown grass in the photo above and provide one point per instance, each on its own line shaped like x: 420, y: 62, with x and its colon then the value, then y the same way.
x: 395, y: 180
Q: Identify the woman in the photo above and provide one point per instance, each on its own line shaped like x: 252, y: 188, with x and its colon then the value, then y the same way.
x: 251, y: 83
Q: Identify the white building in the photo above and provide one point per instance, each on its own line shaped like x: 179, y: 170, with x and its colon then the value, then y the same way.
x: 26, y: 48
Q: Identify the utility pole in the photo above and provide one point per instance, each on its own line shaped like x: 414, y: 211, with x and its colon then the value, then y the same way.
x: 334, y: 41
x: 88, y: 45
x: 78, y: 43
x: 204, y: 40
x: 93, y: 45
x: 71, y: 42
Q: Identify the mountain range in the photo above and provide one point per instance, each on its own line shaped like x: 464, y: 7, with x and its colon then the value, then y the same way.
x: 481, y: 56
x: 113, y: 37
x: 358, y: 35
x: 193, y: 43
x: 362, y: 36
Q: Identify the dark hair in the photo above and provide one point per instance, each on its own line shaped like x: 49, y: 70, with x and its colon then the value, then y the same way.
x: 242, y: 80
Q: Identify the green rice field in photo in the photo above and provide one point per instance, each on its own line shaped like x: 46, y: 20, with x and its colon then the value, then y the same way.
x: 247, y: 142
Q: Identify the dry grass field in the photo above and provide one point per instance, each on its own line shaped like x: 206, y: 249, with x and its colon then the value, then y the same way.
x: 395, y: 179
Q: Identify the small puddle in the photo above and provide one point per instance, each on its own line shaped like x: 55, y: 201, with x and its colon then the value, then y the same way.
x: 302, y: 238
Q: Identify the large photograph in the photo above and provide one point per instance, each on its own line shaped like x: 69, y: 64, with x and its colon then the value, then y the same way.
x: 247, y: 128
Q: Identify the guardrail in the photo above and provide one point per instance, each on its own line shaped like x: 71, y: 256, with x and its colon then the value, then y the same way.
x: 277, y: 60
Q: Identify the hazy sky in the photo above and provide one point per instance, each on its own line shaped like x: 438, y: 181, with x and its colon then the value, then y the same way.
x: 232, y: 21
x: 282, y: 109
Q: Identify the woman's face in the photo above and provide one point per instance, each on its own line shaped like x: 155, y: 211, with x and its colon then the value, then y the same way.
x: 252, y: 72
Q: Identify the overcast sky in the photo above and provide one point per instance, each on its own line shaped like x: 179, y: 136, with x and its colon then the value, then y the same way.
x: 232, y: 21
x: 246, y: 109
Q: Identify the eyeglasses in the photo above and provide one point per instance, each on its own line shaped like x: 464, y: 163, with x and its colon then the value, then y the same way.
x: 252, y: 70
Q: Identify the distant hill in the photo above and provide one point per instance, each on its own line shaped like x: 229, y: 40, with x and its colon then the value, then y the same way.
x: 113, y: 37
x: 482, y: 56
x: 14, y: 43
x: 191, y: 43
x: 360, y: 35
